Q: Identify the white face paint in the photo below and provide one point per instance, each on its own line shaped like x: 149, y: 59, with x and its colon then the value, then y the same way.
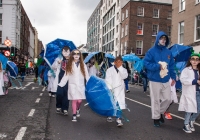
x: 65, y: 53
x: 76, y: 55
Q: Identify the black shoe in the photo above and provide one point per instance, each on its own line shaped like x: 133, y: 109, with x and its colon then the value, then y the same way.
x: 156, y: 122
x: 161, y: 119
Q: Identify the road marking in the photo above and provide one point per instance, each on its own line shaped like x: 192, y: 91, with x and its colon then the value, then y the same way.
x: 44, y: 89
x: 21, y: 133
x: 38, y: 100
x: 2, y: 136
x: 34, y: 88
x: 41, y: 94
x: 31, y: 113
x: 150, y: 107
x: 29, y: 83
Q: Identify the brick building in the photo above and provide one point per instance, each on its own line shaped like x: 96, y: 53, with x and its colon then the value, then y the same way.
x: 186, y: 23
x: 140, y: 23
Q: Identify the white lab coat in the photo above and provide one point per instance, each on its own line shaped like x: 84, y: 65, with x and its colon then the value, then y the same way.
x: 92, y: 71
x: 173, y: 92
x: 50, y: 81
x: 76, y: 83
x: 188, y: 101
x: 56, y: 69
x: 115, y: 82
x: 1, y: 83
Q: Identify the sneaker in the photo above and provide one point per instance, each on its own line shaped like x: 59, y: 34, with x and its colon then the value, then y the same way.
x: 109, y: 119
x: 168, y: 116
x: 156, y: 122
x: 50, y: 94
x: 65, y: 112
x: 58, y: 110
x: 127, y: 91
x: 192, y: 125
x: 119, y: 122
x: 78, y: 113
x: 161, y: 119
x: 187, y: 129
x: 74, y: 118
x: 53, y: 96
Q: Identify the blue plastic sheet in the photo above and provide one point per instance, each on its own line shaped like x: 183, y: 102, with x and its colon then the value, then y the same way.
x: 54, y: 48
x: 180, y: 52
x: 100, y: 98
x: 3, y: 60
x: 13, y: 69
x: 130, y: 58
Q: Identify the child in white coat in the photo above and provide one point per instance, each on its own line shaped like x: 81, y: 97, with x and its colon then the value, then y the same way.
x: 115, y: 76
x: 190, y: 98
x: 76, y: 75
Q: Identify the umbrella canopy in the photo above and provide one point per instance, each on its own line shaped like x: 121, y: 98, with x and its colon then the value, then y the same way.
x: 98, y: 56
x: 13, y: 69
x: 138, y: 66
x: 100, y: 98
x: 181, y: 65
x: 180, y: 52
x: 3, y: 60
x: 54, y: 48
x: 130, y: 58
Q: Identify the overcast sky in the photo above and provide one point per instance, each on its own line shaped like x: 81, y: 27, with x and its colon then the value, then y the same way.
x: 66, y: 19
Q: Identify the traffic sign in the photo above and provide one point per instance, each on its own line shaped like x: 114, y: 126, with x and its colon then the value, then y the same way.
x: 7, y: 53
x: 7, y: 42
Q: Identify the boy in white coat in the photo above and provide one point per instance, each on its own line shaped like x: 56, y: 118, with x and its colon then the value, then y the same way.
x: 115, y: 76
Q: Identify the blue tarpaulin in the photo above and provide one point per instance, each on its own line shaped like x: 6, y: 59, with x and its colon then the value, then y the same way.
x: 3, y: 60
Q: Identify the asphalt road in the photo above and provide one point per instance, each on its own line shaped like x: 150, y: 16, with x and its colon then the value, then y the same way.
x: 28, y: 113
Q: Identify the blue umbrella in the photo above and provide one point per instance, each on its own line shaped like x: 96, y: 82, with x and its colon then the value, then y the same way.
x: 130, y: 58
x: 100, y: 98
x: 3, y: 60
x: 90, y: 55
x: 138, y: 66
x: 181, y: 65
x: 13, y: 69
x: 41, y: 54
x: 54, y: 48
x: 180, y: 52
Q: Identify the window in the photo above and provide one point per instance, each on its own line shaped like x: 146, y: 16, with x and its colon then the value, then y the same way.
x: 197, y: 27
x: 122, y: 16
x: 126, y: 30
x: 122, y: 49
x: 116, y: 41
x: 117, y: 3
x: 125, y: 47
x: 0, y: 19
x: 1, y: 3
x: 126, y: 13
x: 117, y: 16
x: 169, y: 30
x: 182, y: 5
x: 169, y: 15
x: 139, y: 47
x: 155, y: 30
x: 140, y: 11
x: 1, y: 37
x: 181, y: 32
x: 139, y: 28
x: 117, y: 29
x: 155, y: 13
x: 197, y: 1
x: 122, y: 32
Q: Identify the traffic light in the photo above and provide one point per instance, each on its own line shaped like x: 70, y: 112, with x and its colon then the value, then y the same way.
x: 12, y: 51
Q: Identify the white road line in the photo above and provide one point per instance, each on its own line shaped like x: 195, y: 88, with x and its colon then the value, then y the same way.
x: 31, y: 113
x: 21, y: 133
x: 150, y: 107
x: 2, y: 136
x: 29, y: 83
x: 41, y: 94
x: 38, y: 100
x: 34, y: 88
x: 44, y: 89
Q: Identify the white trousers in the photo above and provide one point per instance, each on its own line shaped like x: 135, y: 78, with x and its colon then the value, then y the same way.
x: 160, y: 94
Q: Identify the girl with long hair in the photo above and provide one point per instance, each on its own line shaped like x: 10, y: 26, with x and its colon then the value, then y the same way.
x: 76, y: 75
x: 190, y: 98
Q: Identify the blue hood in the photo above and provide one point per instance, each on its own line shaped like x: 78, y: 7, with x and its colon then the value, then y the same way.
x: 159, y: 35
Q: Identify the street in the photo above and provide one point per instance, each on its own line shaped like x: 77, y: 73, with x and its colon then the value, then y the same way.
x: 28, y: 113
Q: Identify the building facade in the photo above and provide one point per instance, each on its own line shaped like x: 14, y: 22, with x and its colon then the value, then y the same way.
x: 110, y: 26
x: 140, y: 23
x: 93, y: 28
x: 186, y: 23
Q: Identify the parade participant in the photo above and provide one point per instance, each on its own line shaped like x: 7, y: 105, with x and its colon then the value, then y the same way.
x: 22, y: 71
x: 160, y: 68
x: 143, y: 74
x: 115, y: 76
x: 190, y: 97
x: 59, y: 66
x: 51, y: 79
x: 76, y: 75
x: 92, y: 68
x: 6, y: 82
x: 1, y: 79
x: 125, y: 65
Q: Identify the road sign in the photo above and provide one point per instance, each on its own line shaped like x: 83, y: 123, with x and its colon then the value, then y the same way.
x: 7, y: 53
x: 7, y: 42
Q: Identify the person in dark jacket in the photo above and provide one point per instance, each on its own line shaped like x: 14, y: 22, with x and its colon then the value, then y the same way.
x: 143, y: 74
x: 159, y: 63
x: 125, y: 65
x: 22, y: 70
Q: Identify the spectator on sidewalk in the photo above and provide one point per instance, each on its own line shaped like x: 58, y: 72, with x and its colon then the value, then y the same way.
x: 125, y: 65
